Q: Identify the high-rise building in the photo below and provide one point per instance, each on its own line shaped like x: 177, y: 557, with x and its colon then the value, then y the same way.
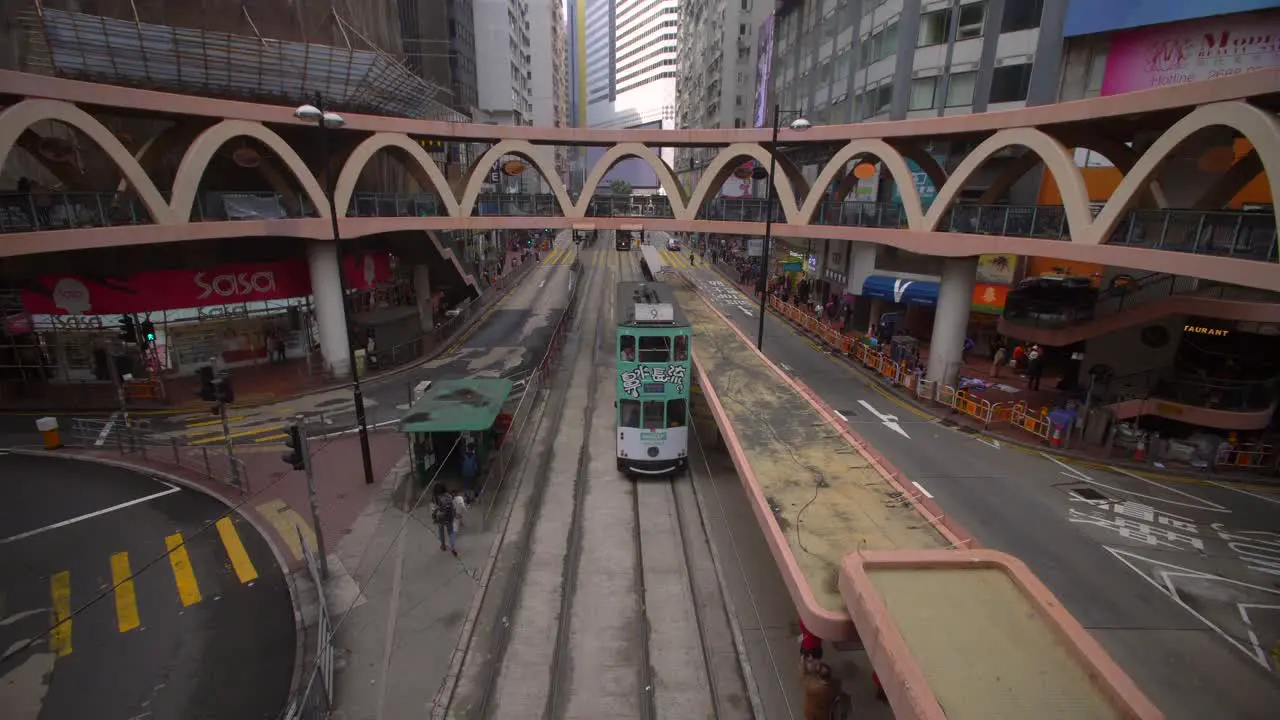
x: 719, y: 45
x: 549, y: 72
x: 504, y: 73
x: 440, y: 45
x: 627, y: 73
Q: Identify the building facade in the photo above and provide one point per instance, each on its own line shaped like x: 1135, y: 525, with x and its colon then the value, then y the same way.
x: 719, y: 45
x: 549, y: 82
x: 440, y: 45
x: 504, y: 75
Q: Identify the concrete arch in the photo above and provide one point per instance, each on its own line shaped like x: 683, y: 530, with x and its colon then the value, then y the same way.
x: 529, y: 152
x: 15, y: 119
x: 150, y: 154
x: 1058, y: 160
x: 889, y: 157
x: 1259, y: 126
x: 1117, y: 153
x: 717, y: 171
x: 423, y: 169
x: 618, y: 153
x: 197, y: 158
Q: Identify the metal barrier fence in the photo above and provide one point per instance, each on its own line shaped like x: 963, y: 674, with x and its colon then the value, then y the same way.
x: 131, y: 439
x: 316, y: 699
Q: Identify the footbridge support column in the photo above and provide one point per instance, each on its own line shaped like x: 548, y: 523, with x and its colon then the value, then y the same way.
x: 422, y: 291
x: 951, y: 319
x: 326, y: 298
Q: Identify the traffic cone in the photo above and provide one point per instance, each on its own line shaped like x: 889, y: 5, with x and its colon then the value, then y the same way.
x: 1055, y: 441
x: 1140, y: 452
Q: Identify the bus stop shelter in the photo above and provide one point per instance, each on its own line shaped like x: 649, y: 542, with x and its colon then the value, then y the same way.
x: 452, y: 417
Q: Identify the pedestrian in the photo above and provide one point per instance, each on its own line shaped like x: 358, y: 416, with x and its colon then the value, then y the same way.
x: 1035, y: 367
x: 442, y: 516
x: 470, y: 469
x: 821, y: 690
x: 810, y: 645
x: 997, y: 361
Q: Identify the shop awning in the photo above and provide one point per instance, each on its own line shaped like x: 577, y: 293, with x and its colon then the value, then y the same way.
x: 902, y: 291
x: 471, y: 405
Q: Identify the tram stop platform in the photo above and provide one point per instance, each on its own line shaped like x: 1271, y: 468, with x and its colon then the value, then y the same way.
x: 952, y: 631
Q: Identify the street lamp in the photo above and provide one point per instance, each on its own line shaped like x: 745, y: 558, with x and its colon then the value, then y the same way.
x: 327, y: 121
x: 799, y: 123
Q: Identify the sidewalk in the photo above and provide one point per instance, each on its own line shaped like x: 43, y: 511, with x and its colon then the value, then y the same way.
x: 1006, y: 387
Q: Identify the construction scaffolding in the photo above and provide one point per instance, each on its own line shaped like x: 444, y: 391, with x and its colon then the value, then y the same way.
x: 193, y: 61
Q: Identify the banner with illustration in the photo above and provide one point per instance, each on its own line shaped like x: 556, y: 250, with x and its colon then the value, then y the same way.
x: 1185, y: 52
x: 998, y: 269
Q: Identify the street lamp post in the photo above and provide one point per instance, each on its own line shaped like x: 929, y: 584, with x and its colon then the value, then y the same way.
x: 327, y: 121
x: 799, y: 123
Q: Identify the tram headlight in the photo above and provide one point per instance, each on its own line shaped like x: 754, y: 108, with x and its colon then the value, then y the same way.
x: 653, y: 452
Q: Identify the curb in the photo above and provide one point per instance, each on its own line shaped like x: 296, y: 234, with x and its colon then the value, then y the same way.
x: 299, y: 623
x: 1025, y: 445
x: 463, y: 334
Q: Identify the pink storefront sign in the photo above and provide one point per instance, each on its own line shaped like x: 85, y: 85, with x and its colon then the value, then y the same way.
x: 1179, y: 53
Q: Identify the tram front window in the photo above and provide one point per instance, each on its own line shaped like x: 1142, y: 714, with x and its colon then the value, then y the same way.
x: 628, y: 348
x: 629, y: 413
x: 653, y: 413
x: 655, y: 349
x: 682, y: 348
x: 675, y: 413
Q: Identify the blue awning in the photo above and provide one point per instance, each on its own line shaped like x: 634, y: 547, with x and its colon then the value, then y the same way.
x: 901, y: 290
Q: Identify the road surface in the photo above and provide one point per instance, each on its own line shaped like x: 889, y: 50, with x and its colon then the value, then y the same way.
x: 120, y: 597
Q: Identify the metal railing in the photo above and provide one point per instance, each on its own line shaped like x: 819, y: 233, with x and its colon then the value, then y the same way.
x: 1025, y: 307
x: 1213, y: 393
x: 316, y: 699
x: 132, y: 439
x: 1245, y: 235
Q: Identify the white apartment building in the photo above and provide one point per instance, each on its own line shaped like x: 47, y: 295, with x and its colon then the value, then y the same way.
x: 548, y: 72
x: 719, y: 45
x: 504, y: 57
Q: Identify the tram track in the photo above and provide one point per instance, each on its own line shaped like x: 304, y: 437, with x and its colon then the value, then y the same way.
x: 597, y: 619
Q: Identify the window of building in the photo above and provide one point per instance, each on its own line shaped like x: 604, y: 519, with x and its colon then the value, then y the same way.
x: 1021, y: 15
x: 1010, y: 83
x: 737, y: 123
x: 888, y: 42
x: 654, y: 412
x: 884, y: 96
x: 923, y: 93
x: 971, y: 19
x: 960, y: 89
x: 1097, y: 71
x: 934, y: 28
x: 742, y: 28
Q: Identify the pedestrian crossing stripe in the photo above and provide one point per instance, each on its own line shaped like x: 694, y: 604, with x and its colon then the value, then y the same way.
x: 240, y: 561
x: 204, y: 438
x: 560, y: 256
x: 125, y: 594
x: 183, y: 574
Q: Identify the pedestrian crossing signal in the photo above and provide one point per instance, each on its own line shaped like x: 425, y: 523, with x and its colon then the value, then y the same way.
x: 149, y: 331
x: 296, y: 457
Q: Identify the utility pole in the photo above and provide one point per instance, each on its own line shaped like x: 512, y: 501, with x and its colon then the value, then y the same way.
x: 299, y: 457
x: 231, y: 446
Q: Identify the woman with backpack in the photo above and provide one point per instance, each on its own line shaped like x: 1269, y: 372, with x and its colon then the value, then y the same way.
x: 442, y: 516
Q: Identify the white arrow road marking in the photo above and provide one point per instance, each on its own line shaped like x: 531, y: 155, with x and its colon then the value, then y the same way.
x: 890, y: 421
x: 1077, y: 474
x: 746, y: 311
x: 106, y: 429
x: 840, y: 415
x: 921, y: 489
x: 990, y: 442
x: 1167, y: 585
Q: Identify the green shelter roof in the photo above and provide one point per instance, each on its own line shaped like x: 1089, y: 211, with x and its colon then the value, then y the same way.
x: 468, y: 404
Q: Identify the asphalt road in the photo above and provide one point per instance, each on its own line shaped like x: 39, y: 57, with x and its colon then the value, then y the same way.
x: 1162, y: 573
x: 204, y: 631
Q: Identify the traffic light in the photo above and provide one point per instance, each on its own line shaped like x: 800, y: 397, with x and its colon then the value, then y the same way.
x: 223, y: 392
x: 128, y: 331
x: 148, y: 332
x: 208, y: 392
x: 297, y: 456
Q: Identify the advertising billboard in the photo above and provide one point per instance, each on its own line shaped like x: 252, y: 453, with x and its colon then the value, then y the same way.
x: 764, y: 72
x: 1185, y: 52
x: 1086, y: 17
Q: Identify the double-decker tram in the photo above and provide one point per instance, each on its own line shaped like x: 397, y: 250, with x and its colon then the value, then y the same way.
x: 654, y: 369
x: 628, y: 236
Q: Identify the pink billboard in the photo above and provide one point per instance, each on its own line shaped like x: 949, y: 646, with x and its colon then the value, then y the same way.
x: 1178, y: 53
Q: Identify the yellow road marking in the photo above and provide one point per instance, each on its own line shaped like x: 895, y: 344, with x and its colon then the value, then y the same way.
x: 126, y: 596
x: 60, y: 635
x: 271, y: 438
x: 287, y: 523
x: 242, y: 433
x: 206, y: 423
x: 183, y: 574
x: 235, y: 550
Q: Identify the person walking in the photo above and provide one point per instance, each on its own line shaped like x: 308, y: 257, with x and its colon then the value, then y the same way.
x: 821, y: 691
x: 1035, y: 367
x: 997, y: 361
x: 470, y: 469
x: 442, y: 516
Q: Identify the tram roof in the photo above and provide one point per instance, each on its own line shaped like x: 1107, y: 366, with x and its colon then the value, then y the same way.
x: 467, y: 404
x: 631, y: 293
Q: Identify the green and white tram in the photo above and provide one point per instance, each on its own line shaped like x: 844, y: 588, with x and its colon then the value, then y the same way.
x: 654, y: 370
